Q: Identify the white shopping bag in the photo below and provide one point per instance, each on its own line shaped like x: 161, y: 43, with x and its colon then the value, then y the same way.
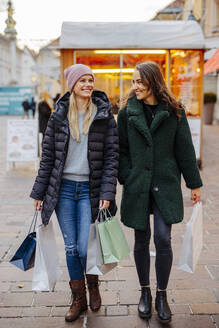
x: 46, y: 267
x: 94, y: 254
x: 193, y: 241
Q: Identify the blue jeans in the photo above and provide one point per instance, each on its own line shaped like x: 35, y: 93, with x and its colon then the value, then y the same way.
x: 73, y: 211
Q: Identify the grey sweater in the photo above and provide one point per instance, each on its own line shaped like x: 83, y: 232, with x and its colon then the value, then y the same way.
x: 76, y: 164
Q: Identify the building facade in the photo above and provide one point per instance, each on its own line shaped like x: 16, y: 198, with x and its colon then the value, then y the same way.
x: 48, y: 69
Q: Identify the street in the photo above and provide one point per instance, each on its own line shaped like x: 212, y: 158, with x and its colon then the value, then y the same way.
x: 194, y: 298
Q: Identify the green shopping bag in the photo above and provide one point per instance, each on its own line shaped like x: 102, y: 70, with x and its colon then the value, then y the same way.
x: 113, y: 242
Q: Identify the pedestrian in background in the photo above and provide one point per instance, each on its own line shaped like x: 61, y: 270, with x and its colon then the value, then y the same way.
x: 77, y: 175
x: 33, y: 106
x: 44, y: 112
x: 26, y: 107
x: 155, y: 149
x: 55, y: 100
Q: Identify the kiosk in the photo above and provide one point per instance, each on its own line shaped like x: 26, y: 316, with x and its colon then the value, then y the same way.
x: 113, y: 49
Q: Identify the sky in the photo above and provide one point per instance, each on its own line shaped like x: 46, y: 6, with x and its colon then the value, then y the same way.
x: 40, y: 21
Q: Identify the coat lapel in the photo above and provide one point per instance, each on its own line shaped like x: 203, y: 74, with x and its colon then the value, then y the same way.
x: 160, y: 116
x: 137, y: 118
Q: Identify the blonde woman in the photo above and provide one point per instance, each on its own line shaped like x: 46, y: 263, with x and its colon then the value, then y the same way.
x: 77, y: 175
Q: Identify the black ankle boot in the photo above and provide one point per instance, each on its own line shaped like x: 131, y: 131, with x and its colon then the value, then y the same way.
x: 162, y: 307
x: 144, y: 306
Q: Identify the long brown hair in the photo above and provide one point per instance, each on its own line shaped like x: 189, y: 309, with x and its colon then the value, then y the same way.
x: 152, y: 77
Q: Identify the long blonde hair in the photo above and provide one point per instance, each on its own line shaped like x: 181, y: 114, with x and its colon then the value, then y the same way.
x: 73, y: 117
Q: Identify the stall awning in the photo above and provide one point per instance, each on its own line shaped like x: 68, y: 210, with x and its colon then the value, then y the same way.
x: 212, y: 64
x: 132, y: 35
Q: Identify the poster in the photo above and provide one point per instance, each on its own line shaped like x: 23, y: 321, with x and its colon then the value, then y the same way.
x: 22, y: 141
x: 11, y: 99
x: 195, y: 127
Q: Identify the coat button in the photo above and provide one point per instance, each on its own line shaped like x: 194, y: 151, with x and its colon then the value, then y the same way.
x: 156, y: 188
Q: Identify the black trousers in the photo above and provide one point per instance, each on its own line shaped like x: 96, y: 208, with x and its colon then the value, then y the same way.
x: 164, y: 254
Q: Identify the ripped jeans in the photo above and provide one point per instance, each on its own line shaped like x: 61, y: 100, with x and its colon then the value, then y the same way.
x: 73, y: 211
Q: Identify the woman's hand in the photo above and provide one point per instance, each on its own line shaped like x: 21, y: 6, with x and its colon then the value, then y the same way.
x: 195, y: 195
x: 104, y: 204
x: 38, y: 205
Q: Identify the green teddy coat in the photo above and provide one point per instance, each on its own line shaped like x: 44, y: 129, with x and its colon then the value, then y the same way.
x: 153, y: 159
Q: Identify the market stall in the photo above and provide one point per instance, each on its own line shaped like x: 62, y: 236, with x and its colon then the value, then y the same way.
x: 113, y: 49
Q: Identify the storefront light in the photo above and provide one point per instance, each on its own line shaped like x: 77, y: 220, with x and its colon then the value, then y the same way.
x: 198, y: 69
x: 159, y: 52
x: 113, y: 70
x: 179, y: 53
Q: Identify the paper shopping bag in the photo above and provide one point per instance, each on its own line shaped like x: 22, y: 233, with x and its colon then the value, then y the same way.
x: 193, y: 241
x: 113, y: 242
x: 46, y: 267
x: 25, y: 255
x: 94, y: 254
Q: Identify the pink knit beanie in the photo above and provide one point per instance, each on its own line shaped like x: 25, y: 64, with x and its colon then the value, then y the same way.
x: 74, y: 72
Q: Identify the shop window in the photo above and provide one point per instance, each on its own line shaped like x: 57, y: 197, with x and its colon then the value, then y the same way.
x: 106, y: 67
x: 113, y: 69
x: 132, y: 58
x: 186, y: 79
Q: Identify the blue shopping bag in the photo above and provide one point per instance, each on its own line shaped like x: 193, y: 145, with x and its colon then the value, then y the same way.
x: 25, y: 255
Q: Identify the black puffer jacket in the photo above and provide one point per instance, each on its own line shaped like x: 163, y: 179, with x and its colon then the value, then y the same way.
x: 103, y: 156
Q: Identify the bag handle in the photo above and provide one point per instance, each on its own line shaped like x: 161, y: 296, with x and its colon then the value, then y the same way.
x: 104, y: 215
x: 33, y: 223
x: 100, y: 217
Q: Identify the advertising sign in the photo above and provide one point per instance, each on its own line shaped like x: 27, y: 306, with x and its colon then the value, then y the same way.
x: 22, y: 142
x: 11, y: 99
x: 195, y: 127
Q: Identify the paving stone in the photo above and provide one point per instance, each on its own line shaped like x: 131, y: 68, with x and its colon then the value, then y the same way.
x: 109, y: 298
x: 101, y: 312
x: 6, y: 312
x: 200, y: 273
x: 116, y: 310
x: 62, y: 286
x: 51, y: 299
x: 216, y: 293
x: 192, y: 284
x: 59, y: 311
x: 184, y: 321
x: 180, y: 309
x: 214, y: 270
x: 112, y: 275
x: 36, y: 311
x: 120, y: 322
x: 127, y: 273
x: 205, y: 308
x: 21, y: 286
x: 15, y: 274
x: 17, y: 299
x: 39, y: 322
x: 5, y: 286
x: 193, y: 296
x: 125, y: 297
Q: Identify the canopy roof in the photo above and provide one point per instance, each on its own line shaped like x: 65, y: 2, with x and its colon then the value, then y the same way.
x: 132, y: 35
x: 212, y: 64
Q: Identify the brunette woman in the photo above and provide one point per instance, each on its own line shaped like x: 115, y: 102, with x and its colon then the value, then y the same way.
x: 155, y: 149
x: 77, y: 175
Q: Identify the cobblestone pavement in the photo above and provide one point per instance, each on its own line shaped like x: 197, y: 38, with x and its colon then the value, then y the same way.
x: 194, y: 298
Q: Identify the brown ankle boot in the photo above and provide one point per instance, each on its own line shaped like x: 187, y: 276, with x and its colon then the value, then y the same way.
x: 79, y: 303
x: 94, y: 294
